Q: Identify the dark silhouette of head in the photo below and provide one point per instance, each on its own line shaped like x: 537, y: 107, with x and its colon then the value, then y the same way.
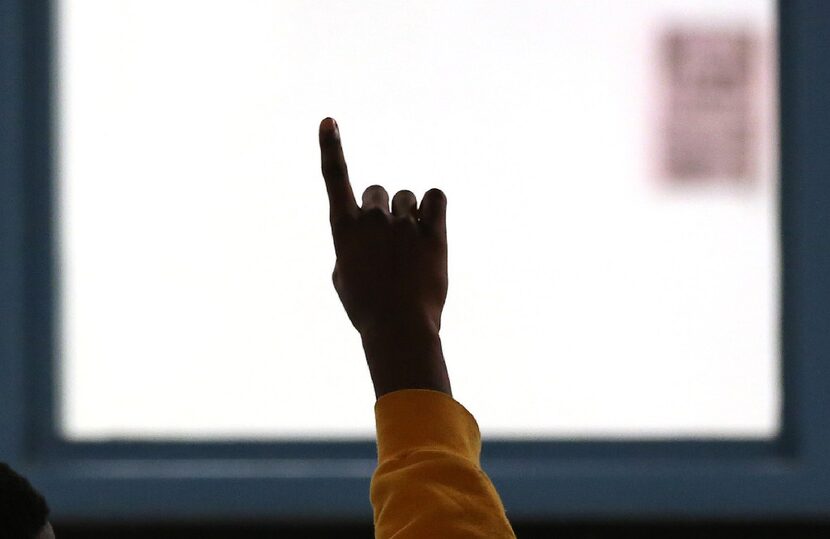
x: 23, y: 510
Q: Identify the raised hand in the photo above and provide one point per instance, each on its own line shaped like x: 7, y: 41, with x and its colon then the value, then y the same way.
x: 390, y: 273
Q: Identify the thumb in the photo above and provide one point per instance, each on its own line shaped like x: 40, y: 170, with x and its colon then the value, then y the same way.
x: 433, y: 213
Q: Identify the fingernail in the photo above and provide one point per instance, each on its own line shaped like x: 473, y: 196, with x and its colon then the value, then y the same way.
x: 336, y: 129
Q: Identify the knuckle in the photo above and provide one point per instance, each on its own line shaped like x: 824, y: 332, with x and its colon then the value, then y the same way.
x: 405, y: 204
x: 437, y: 194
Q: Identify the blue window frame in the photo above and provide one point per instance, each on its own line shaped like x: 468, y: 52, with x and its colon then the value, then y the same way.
x: 783, y: 478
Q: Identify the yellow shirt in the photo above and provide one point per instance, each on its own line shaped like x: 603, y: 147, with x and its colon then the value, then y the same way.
x: 429, y: 482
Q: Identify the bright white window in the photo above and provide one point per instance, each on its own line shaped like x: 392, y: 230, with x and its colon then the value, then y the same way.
x: 592, y: 293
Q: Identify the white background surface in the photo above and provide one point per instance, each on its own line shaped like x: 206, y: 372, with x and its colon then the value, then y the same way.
x: 586, y: 298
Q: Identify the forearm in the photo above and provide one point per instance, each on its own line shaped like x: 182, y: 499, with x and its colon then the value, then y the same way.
x: 405, y: 355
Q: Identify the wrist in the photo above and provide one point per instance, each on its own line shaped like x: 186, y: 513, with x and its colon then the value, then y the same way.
x: 405, y: 355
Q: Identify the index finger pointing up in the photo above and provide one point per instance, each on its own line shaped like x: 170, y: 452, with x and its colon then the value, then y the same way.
x: 341, y: 197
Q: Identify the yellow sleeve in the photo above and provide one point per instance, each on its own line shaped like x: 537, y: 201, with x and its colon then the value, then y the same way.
x: 429, y: 482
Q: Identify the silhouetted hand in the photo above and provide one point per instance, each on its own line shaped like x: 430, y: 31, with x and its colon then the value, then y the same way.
x: 390, y: 273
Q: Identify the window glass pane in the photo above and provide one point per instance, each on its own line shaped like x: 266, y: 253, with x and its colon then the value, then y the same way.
x: 611, y: 172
